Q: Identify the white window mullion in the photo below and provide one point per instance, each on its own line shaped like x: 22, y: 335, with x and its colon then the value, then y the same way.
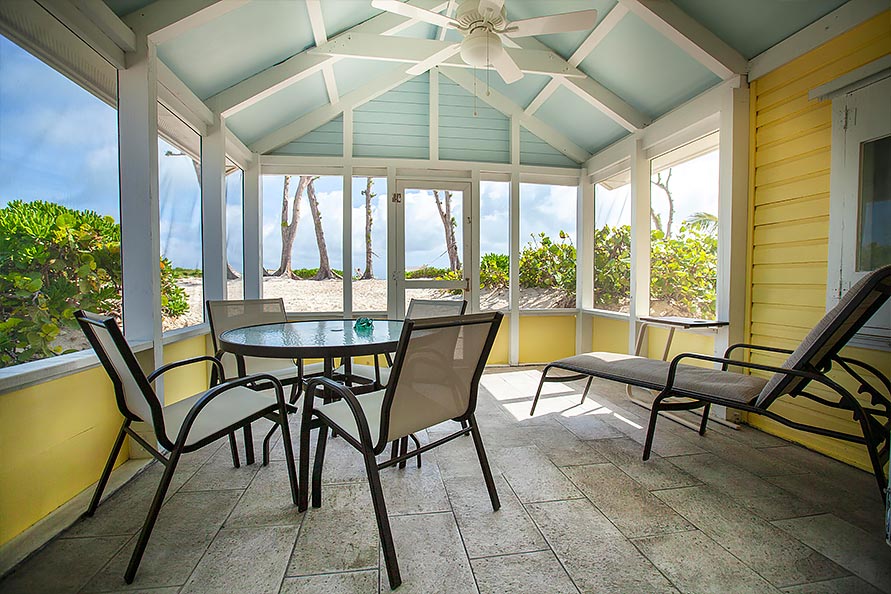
x: 253, y: 231
x: 213, y: 210
x: 640, y: 240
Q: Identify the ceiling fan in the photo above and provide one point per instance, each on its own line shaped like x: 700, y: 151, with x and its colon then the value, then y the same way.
x: 483, y: 23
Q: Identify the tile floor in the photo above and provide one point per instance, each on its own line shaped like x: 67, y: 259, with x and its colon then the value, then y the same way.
x: 734, y: 511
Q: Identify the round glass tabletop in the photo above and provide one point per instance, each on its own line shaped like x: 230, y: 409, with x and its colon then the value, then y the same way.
x: 317, y: 338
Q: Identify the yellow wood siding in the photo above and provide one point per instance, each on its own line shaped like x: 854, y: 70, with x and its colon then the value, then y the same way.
x: 790, y: 224
x: 545, y: 338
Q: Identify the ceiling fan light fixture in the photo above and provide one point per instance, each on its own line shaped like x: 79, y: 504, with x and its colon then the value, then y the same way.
x: 481, y: 47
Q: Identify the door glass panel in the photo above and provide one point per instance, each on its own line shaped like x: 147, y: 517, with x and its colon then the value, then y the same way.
x: 874, y: 238
x: 433, y: 234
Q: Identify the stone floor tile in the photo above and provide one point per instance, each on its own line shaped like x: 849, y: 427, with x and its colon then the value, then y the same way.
x: 590, y: 425
x: 625, y: 502
x: 341, y: 535
x: 413, y: 490
x: 863, y: 555
x: 781, y: 559
x: 458, y: 458
x: 532, y: 475
x: 350, y: 582
x: 758, y: 462
x: 846, y: 585
x: 594, y: 553
x: 65, y: 565
x: 244, y: 560
x: 755, y: 493
x: 218, y: 473
x: 538, y: 572
x: 695, y: 563
x: 562, y: 447
x: 431, y: 555
x: 267, y: 500
x: 185, y: 528
x: 655, y: 473
x: 487, y: 532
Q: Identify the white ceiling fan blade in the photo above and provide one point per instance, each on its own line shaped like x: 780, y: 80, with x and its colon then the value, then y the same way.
x: 507, y: 69
x: 555, y: 23
x: 413, y: 12
x: 434, y: 60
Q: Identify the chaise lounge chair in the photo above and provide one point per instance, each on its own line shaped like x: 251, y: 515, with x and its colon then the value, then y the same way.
x: 686, y: 387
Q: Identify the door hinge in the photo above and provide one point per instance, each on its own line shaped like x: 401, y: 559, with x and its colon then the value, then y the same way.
x: 397, y: 197
x: 467, y: 285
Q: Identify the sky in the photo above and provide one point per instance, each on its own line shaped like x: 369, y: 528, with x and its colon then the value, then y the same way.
x: 58, y: 142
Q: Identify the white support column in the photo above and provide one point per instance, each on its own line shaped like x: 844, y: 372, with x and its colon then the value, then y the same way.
x: 395, y: 296
x: 584, y: 283
x: 434, y: 114
x: 514, y: 346
x: 140, y: 213
x: 348, y: 214
x: 253, y: 230
x: 640, y: 240
x: 213, y: 209
x: 472, y: 256
x: 732, y: 220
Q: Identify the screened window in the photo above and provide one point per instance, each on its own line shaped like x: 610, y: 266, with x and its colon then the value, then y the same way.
x: 234, y: 231
x: 494, y: 245
x: 59, y: 209
x: 369, y: 239
x: 612, y: 243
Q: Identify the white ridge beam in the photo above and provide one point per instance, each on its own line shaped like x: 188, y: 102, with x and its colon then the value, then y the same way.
x: 317, y: 22
x: 498, y: 101
x: 688, y: 34
x: 413, y: 51
x: 163, y: 20
x: 608, y: 102
x: 326, y: 113
x: 299, y: 66
x: 583, y: 51
x: 105, y: 18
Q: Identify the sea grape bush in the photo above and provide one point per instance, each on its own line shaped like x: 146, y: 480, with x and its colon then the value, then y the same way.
x: 53, y: 261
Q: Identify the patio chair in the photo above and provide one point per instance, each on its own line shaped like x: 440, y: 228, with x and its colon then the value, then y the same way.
x: 182, y: 427
x: 228, y: 314
x: 810, y: 363
x: 435, y: 378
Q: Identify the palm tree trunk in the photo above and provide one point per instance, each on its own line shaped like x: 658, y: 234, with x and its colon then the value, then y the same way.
x: 325, y: 272
x: 445, y: 215
x: 289, y: 228
x: 369, y: 273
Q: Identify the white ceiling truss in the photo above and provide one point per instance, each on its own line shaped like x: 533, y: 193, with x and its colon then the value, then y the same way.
x: 375, y: 39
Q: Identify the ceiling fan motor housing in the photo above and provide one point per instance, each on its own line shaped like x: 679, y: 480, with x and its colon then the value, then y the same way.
x: 473, y: 13
x: 481, y: 45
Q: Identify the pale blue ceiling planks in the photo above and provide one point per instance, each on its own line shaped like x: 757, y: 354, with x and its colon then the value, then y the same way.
x: 341, y: 15
x: 645, y: 69
x: 753, y: 26
x: 124, y: 7
x: 279, y: 109
x: 396, y: 124
x: 521, y: 92
x: 238, y: 44
x: 584, y: 125
x: 535, y: 151
x: 326, y: 140
x: 352, y: 74
x: 470, y: 130
x: 563, y: 44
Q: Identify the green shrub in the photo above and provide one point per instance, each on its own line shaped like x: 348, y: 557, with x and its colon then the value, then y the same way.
x: 684, y: 270
x: 174, y: 300
x: 308, y: 273
x: 545, y: 264
x: 430, y: 272
x: 494, y: 271
x: 612, y: 266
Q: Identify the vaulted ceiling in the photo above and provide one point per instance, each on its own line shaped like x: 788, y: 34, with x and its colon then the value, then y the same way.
x: 284, y: 71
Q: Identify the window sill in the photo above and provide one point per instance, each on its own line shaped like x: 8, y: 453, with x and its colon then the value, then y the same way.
x: 562, y: 311
x: 179, y: 334
x: 605, y: 313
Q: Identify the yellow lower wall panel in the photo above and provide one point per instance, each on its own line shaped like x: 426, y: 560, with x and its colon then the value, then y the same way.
x: 186, y: 381
x: 609, y: 335
x: 683, y: 342
x: 55, y: 438
x: 546, y: 338
x: 501, y: 348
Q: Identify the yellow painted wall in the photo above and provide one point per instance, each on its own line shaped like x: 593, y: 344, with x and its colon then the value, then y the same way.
x: 501, y: 348
x: 683, y: 342
x: 55, y: 438
x: 789, y: 185
x: 609, y: 335
x: 545, y: 338
x: 188, y: 380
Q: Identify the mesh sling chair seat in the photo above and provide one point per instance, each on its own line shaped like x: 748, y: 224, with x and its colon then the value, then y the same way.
x: 183, y: 427
x: 435, y: 378
x: 226, y: 315
x: 685, y: 387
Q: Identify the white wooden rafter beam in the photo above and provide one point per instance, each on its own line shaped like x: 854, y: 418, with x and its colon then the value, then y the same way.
x: 613, y: 106
x: 691, y: 36
x: 309, y: 122
x: 501, y: 103
x: 163, y: 20
x: 179, y: 96
x: 448, y: 12
x: 300, y: 66
x: 414, y: 51
x: 84, y: 27
x: 108, y: 22
x: 320, y: 35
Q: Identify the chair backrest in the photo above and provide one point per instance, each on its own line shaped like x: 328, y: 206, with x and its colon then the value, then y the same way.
x: 831, y: 334
x: 436, y: 373
x: 226, y: 315
x: 136, y: 399
x: 435, y: 308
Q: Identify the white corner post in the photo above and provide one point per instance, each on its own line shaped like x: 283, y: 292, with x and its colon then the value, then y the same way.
x: 473, y: 259
x: 213, y: 209
x: 347, y: 214
x: 140, y: 211
x: 584, y: 277
x: 395, y: 294
x: 514, y: 237
x: 640, y: 241
x: 253, y: 231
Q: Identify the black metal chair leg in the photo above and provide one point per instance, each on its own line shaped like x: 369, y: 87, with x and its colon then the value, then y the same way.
x: 418, y: 445
x: 587, y: 387
x: 403, y: 450
x: 380, y: 513
x: 109, y: 466
x: 233, y: 447
x: 248, y: 445
x: 651, y: 427
x: 267, y: 441
x: 152, y: 516
x: 289, y: 454
x: 704, y: 422
x: 544, y: 374
x: 321, y: 445
x: 484, y: 463
x: 394, y: 448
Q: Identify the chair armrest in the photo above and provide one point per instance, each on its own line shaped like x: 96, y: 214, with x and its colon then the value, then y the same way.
x: 165, y: 368
x: 222, y: 388
x: 352, y: 402
x: 755, y: 347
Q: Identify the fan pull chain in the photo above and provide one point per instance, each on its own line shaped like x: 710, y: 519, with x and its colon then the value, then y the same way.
x: 474, y: 92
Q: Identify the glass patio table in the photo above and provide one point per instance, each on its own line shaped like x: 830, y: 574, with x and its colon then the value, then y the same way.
x: 316, y: 339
